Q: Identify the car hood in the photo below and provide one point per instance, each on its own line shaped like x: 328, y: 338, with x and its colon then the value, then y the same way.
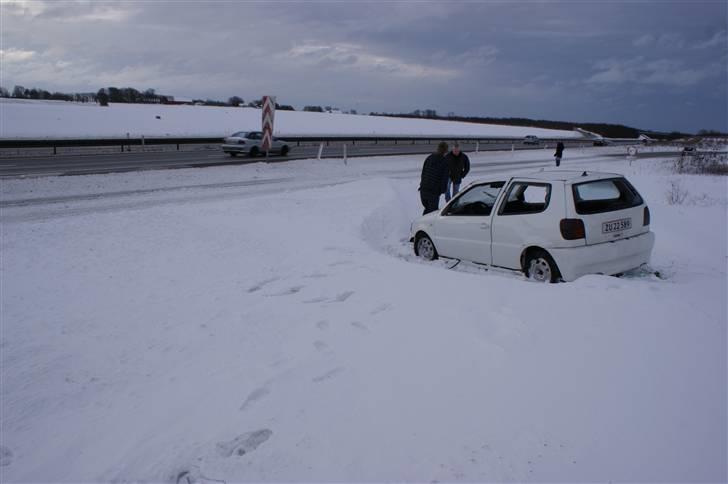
x: 428, y: 218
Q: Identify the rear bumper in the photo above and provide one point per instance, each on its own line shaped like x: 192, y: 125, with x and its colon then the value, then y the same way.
x: 608, y: 258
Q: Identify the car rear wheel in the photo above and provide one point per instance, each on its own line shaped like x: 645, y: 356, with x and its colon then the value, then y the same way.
x: 232, y: 154
x: 254, y: 151
x: 284, y: 150
x: 540, y: 267
x: 425, y: 248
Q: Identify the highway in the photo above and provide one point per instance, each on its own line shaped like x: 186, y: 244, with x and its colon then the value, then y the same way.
x: 85, y: 164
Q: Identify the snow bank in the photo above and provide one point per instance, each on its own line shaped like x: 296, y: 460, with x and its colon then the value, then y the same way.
x: 48, y: 119
x: 282, y: 332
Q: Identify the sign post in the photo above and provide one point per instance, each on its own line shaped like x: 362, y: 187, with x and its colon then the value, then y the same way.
x: 269, y: 111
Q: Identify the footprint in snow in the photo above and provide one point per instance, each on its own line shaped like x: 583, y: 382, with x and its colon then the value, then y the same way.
x: 315, y: 275
x: 260, y: 285
x: 359, y: 325
x: 290, y: 291
x: 6, y: 456
x: 194, y: 476
x: 343, y: 296
x: 328, y: 375
x: 320, y: 345
x: 315, y: 300
x: 381, y: 308
x: 323, y: 325
x: 243, y: 444
x: 254, y: 396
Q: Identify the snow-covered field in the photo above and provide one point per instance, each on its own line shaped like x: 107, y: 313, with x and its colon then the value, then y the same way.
x: 58, y: 119
x: 269, y: 323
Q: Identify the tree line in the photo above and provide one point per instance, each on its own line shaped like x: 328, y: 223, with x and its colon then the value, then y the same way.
x: 107, y: 95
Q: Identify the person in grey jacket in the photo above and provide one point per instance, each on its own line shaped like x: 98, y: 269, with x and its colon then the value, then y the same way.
x: 458, y: 165
x: 433, y: 180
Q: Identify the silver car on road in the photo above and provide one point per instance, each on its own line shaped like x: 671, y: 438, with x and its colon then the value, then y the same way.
x: 249, y: 143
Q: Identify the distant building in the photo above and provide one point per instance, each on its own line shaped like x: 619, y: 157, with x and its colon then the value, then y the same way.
x: 178, y: 100
x: 85, y: 97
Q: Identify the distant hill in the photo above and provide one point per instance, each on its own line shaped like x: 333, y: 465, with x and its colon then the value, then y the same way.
x: 604, y: 129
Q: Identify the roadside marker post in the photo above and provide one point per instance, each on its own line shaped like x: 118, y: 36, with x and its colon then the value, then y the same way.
x: 269, y: 111
x: 345, y: 153
x: 477, y: 146
x: 321, y: 150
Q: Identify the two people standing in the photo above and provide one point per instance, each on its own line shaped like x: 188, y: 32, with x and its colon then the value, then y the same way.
x: 441, y: 172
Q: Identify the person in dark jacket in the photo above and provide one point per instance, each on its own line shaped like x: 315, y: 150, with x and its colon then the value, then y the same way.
x: 458, y: 165
x: 559, y: 152
x: 433, y: 180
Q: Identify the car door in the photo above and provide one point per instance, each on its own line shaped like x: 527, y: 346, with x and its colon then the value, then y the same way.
x: 522, y: 218
x: 254, y: 138
x: 463, y: 229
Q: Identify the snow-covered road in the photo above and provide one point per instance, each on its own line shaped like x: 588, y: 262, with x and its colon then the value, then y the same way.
x: 283, y: 332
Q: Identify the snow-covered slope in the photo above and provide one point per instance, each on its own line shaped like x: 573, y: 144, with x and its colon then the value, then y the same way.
x: 49, y: 119
x: 284, y: 332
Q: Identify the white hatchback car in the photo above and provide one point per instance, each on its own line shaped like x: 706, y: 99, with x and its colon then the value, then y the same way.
x: 552, y: 225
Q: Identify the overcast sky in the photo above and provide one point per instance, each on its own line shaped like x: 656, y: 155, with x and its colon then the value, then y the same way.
x: 655, y: 65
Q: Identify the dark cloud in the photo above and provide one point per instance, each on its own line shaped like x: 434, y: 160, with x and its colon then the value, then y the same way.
x: 659, y: 65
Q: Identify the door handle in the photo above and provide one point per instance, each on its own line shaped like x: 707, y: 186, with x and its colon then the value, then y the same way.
x: 484, y: 226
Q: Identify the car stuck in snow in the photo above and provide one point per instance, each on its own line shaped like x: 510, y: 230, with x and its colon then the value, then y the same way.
x: 552, y: 225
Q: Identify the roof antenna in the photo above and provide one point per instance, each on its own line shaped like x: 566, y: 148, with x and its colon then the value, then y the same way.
x: 584, y: 174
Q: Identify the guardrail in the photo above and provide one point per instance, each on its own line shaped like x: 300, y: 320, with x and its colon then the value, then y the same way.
x: 126, y: 144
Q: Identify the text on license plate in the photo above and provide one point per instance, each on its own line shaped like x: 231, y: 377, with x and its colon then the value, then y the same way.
x: 617, y: 225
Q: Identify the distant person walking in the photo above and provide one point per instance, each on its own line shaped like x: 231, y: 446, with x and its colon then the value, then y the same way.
x: 458, y: 166
x: 559, y: 153
x: 433, y: 180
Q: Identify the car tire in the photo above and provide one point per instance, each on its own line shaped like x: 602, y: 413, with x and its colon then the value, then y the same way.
x: 284, y: 150
x: 425, y: 248
x: 539, y: 266
x: 232, y: 154
x: 254, y: 151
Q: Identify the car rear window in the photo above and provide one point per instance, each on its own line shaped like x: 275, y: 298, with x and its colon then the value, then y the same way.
x: 605, y: 196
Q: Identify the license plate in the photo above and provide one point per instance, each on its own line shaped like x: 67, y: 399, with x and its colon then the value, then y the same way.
x: 617, y: 225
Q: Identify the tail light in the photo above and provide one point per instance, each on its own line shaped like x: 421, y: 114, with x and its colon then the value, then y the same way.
x: 572, y: 229
x: 646, y: 218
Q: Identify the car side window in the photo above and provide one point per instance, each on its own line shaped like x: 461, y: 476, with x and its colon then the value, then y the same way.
x: 524, y: 198
x: 254, y: 136
x: 477, y: 201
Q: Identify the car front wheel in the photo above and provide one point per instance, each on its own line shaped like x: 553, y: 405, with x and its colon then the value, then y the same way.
x: 284, y: 150
x: 540, y: 267
x: 425, y: 248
